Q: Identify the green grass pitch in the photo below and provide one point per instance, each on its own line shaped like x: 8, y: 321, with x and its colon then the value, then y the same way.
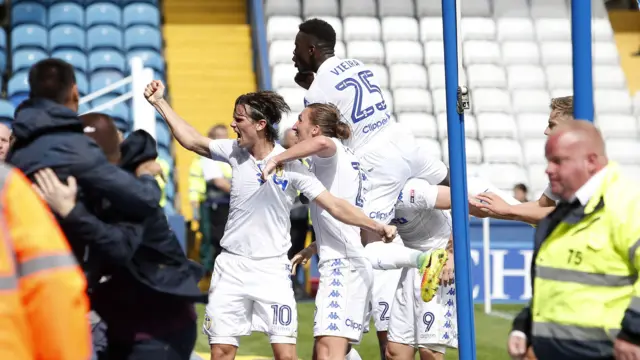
x: 491, y: 337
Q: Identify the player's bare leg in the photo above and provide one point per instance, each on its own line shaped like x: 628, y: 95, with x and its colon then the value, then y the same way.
x: 429, y: 354
x: 284, y: 351
x: 382, y: 342
x: 223, y: 352
x: 397, y: 351
x: 330, y: 348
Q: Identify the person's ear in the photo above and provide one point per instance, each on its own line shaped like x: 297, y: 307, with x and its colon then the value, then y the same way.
x: 261, y: 124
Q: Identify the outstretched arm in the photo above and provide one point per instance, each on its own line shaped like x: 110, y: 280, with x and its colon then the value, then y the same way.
x: 186, y: 135
x: 495, y: 207
x: 321, y: 146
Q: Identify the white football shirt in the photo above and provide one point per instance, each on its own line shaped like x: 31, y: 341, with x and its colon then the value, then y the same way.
x: 420, y: 225
x: 258, y: 225
x: 353, y: 88
x: 340, y: 174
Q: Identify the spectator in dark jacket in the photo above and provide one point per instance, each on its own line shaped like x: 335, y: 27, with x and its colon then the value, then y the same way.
x: 48, y: 134
x: 147, y: 303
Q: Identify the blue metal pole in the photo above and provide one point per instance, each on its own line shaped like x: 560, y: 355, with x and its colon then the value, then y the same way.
x: 582, y: 62
x: 460, y: 205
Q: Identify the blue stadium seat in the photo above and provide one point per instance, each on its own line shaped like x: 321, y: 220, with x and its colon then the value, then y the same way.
x: 102, y: 100
x: 120, y: 113
x: 106, y: 60
x: 18, y: 84
x: 29, y: 12
x: 67, y: 37
x: 104, y: 37
x: 141, y: 14
x: 83, y: 84
x: 3, y: 61
x: 103, y: 78
x: 66, y: 13
x: 6, y: 111
x: 17, y: 99
x: 142, y: 37
x: 104, y: 13
x: 74, y: 57
x: 3, y: 39
x: 169, y: 210
x: 29, y: 36
x: 163, y: 136
x: 127, y: 2
x: 83, y: 108
x: 170, y: 191
x: 165, y: 155
x: 150, y: 58
x: 23, y: 59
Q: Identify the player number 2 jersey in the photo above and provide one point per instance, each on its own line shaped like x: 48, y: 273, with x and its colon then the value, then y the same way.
x: 354, y: 89
x: 258, y: 225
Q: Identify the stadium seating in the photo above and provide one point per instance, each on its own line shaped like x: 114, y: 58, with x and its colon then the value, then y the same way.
x: 97, y: 37
x: 516, y: 55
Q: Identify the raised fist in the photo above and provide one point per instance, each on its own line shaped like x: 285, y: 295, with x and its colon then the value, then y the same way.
x: 154, y: 92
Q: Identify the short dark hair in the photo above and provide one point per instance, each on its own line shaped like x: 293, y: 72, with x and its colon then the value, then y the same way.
x: 322, y: 31
x: 267, y: 105
x: 51, y: 79
x: 521, y: 187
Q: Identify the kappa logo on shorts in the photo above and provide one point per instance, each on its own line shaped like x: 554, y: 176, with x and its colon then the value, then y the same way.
x: 451, y: 291
x: 450, y: 303
x: 337, y: 262
x: 333, y: 316
x: 447, y: 325
x: 332, y: 327
x: 334, y: 294
x: 448, y: 314
x: 334, y: 305
x: 445, y: 336
x: 336, y: 283
x: 336, y: 272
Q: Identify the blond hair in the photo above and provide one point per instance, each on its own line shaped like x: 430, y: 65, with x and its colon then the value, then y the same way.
x: 563, y: 105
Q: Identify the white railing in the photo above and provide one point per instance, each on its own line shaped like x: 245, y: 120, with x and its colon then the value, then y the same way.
x: 143, y: 113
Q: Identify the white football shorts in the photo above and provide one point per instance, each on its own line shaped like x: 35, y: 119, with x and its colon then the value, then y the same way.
x: 343, y: 297
x: 385, y: 283
x: 387, y: 163
x: 413, y: 322
x: 246, y: 292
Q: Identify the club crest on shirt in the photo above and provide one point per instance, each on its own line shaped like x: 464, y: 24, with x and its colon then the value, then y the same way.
x: 207, y: 322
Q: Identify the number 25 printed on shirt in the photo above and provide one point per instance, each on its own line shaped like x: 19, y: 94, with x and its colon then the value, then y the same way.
x: 360, y: 85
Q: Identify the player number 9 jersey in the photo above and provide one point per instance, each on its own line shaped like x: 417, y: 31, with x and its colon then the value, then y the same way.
x: 354, y: 88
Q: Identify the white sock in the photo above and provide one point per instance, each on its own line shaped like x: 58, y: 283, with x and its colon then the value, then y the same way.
x: 476, y: 185
x: 353, y: 355
x: 391, y: 256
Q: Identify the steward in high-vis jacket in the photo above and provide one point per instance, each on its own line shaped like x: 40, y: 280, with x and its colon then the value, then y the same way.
x: 43, y: 300
x: 586, y: 293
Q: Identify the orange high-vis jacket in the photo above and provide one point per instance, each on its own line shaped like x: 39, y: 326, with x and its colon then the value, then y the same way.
x: 43, y: 301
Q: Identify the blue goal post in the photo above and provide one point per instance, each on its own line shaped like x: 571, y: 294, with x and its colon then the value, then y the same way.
x: 457, y: 102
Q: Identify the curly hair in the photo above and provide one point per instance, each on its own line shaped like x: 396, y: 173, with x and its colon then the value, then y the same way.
x: 563, y: 105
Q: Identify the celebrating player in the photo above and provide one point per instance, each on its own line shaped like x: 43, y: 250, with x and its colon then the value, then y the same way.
x: 251, y: 276
x: 346, y: 275
x: 387, y: 155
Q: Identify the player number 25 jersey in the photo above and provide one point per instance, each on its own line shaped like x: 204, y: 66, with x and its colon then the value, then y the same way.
x: 354, y: 89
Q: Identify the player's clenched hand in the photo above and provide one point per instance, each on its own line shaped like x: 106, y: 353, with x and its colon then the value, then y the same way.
x: 447, y: 275
x: 517, y: 346
x: 154, y: 92
x: 493, y: 203
x: 302, y: 257
x: 304, y: 79
x: 269, y: 168
x: 476, y: 211
x: 387, y: 232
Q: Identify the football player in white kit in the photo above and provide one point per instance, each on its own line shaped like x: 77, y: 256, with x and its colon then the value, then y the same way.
x: 251, y: 277
x: 429, y: 327
x: 346, y: 275
x: 387, y: 157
